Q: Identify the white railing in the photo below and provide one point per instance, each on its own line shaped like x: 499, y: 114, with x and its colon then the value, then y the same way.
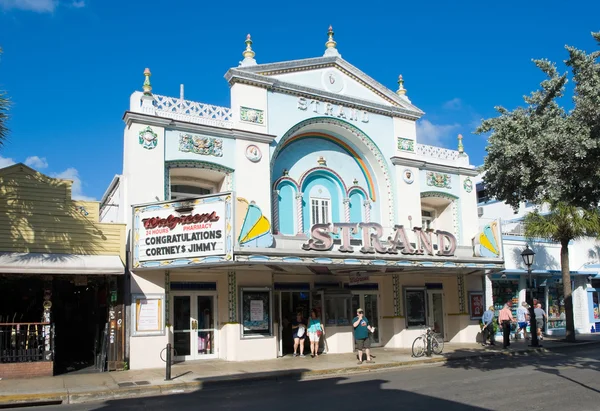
x: 437, y: 152
x: 516, y: 228
x: 192, y: 111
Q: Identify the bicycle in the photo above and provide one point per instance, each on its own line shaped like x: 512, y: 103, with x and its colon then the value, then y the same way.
x: 419, y: 346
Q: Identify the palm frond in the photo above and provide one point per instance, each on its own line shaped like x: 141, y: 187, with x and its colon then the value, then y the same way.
x: 563, y: 224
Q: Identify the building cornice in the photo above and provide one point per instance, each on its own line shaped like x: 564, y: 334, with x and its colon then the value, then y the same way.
x: 130, y: 117
x: 424, y: 165
x: 352, y: 71
x: 234, y: 76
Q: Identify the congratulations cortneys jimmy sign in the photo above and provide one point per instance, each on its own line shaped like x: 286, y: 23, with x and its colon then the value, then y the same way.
x: 373, y: 240
x: 180, y: 231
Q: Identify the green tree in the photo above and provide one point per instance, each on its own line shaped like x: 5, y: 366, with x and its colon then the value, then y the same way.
x: 542, y: 152
x: 4, y: 103
x: 563, y: 224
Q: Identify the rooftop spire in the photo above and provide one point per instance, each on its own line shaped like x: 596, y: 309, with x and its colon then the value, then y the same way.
x: 248, y: 53
x: 401, y: 90
x: 461, y: 148
x: 147, y: 86
x: 330, y: 46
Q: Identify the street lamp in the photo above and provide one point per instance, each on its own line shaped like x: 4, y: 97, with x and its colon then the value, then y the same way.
x: 528, y: 255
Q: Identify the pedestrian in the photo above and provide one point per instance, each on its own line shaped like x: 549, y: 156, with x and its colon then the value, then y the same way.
x: 487, y: 331
x: 315, y: 330
x: 299, y: 333
x: 505, y: 318
x: 540, y: 316
x: 361, y: 335
x: 522, y: 318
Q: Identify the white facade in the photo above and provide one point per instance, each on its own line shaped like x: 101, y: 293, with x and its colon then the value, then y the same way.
x: 546, y: 270
x: 304, y: 142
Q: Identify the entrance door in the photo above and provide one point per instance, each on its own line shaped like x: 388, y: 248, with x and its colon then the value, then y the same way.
x: 194, y: 325
x: 369, y: 302
x: 291, y: 302
x: 436, y: 311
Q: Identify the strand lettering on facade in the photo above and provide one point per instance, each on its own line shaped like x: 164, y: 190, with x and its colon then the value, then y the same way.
x: 333, y: 110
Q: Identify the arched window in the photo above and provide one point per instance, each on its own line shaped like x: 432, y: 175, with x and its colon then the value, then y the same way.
x: 286, y: 208
x: 357, y: 200
x: 187, y: 179
x: 320, y: 205
x: 321, y: 199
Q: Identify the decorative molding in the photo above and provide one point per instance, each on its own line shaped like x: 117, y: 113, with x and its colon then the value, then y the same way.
x: 192, y: 111
x: 439, y: 180
x: 460, y: 281
x: 184, y: 126
x: 204, y: 146
x: 468, y: 185
x: 396, y: 293
x: 437, y: 152
x: 364, y: 138
x: 228, y: 172
x: 423, y: 165
x: 253, y: 153
x: 406, y: 144
x: 252, y: 115
x: 275, y: 256
x: 299, y: 215
x: 236, y: 75
x: 148, y: 138
x: 408, y: 176
x: 232, y: 296
x: 455, y: 204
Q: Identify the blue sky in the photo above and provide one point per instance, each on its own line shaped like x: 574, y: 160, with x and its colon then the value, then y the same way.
x: 69, y: 66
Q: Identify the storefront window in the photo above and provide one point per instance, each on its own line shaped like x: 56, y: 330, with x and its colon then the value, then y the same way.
x: 505, y: 291
x: 337, y: 310
x: 256, y: 312
x: 595, y: 301
x: 556, y: 307
x: 415, y: 307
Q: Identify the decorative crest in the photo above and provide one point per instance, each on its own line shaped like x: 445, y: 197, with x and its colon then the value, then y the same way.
x: 322, y: 162
x: 147, y: 86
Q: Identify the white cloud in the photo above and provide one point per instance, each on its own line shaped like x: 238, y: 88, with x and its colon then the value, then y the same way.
x: 36, y: 162
x: 454, y: 104
x: 38, y: 6
x: 77, y: 187
x: 434, y: 134
x: 78, y: 4
x: 6, y: 162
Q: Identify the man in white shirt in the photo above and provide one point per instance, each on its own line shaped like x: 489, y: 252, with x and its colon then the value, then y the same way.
x: 522, y: 318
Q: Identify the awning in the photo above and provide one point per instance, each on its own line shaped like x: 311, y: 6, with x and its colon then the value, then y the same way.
x: 41, y: 263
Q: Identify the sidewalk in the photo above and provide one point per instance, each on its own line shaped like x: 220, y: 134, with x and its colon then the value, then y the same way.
x: 199, y: 375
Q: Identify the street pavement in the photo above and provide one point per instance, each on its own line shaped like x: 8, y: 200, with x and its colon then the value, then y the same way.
x: 567, y: 379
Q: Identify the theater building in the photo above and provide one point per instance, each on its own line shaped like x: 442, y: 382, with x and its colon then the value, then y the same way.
x: 310, y: 191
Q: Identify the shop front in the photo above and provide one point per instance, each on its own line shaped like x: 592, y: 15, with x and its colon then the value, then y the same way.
x: 61, y: 280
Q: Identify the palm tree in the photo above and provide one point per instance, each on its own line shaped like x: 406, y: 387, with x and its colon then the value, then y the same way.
x: 4, y: 103
x: 563, y: 224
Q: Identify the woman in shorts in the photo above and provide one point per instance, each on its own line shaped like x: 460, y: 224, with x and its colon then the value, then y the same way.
x: 299, y: 333
x: 315, y: 330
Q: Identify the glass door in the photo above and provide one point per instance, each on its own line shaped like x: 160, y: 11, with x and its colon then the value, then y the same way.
x: 370, y: 303
x: 205, y: 327
x: 436, y: 312
x: 194, y: 326
x: 182, y: 327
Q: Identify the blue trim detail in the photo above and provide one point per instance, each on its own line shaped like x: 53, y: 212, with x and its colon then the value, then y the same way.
x: 286, y: 207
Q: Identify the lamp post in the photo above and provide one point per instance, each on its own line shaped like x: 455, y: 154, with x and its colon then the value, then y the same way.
x: 528, y: 255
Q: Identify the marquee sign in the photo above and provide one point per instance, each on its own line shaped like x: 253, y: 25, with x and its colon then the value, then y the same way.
x: 183, y: 232
x: 372, y: 239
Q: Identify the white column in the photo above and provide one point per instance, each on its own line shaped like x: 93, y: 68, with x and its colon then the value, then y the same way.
x: 300, y: 229
x: 347, y: 210
x: 275, y: 209
x: 489, y: 295
x: 367, y: 205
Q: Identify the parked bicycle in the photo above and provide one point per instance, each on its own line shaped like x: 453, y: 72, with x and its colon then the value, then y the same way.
x: 420, y: 344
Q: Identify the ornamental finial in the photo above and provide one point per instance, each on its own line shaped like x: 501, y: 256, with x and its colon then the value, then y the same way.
x: 330, y: 45
x: 147, y: 86
x: 248, y: 53
x: 461, y: 148
x: 401, y: 90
